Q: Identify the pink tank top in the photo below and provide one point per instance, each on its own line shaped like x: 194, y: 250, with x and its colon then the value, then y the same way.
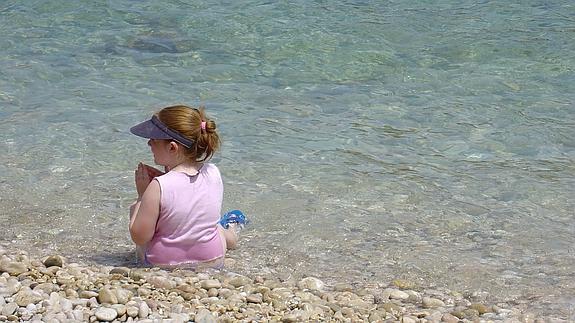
x: 190, y: 208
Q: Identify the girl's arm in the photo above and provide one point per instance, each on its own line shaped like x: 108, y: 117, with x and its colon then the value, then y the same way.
x: 144, y: 214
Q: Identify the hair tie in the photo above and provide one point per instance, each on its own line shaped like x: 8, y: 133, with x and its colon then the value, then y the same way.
x: 203, y: 126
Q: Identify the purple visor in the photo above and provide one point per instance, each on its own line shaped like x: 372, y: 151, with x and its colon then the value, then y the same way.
x: 156, y: 129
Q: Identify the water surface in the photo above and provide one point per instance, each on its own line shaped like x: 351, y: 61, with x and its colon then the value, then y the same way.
x: 367, y: 140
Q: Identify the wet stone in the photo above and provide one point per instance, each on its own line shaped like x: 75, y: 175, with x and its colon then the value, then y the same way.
x: 391, y: 308
x: 414, y: 297
x: 138, y: 274
x: 375, y: 316
x: 161, y: 282
x: 397, y: 294
x: 311, y: 283
x: 254, y: 298
x: 342, y: 287
x: 210, y: 283
x: 470, y: 313
x: 481, y: 309
x: 430, y: 302
x: 449, y: 318
x: 13, y: 268
x: 239, y: 281
x: 403, y: 284
x: 54, y: 260
x: 87, y: 294
x: 124, y: 271
x: 289, y: 318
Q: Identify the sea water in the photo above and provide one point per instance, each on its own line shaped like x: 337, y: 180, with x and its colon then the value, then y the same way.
x: 432, y: 141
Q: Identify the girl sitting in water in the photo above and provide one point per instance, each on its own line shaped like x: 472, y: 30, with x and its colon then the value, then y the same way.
x: 175, y: 222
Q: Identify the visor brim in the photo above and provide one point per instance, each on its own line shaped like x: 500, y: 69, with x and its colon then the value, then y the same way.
x: 156, y: 129
x: 148, y: 129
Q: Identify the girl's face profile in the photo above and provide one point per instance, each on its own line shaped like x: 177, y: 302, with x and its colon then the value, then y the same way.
x: 159, y: 149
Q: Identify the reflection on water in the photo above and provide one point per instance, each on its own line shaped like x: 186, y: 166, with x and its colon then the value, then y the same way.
x: 438, y: 149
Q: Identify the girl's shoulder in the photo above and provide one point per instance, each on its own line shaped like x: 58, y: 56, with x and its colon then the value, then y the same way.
x: 210, y: 169
x: 210, y: 166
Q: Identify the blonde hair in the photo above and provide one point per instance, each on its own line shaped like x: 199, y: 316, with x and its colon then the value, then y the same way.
x: 188, y: 122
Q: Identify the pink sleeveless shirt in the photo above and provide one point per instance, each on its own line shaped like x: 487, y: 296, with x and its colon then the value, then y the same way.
x: 190, y: 207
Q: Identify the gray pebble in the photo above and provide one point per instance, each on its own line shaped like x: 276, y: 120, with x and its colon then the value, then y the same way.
x: 204, y: 316
x: 9, y: 309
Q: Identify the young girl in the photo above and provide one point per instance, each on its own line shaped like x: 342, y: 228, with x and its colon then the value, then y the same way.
x: 175, y: 222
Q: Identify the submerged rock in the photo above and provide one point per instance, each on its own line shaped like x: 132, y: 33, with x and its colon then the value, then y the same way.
x: 311, y: 283
x: 13, y: 268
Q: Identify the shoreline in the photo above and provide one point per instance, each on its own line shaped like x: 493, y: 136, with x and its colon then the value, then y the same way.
x: 42, y: 289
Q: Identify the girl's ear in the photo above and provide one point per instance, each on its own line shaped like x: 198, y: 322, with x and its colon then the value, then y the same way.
x: 173, y: 146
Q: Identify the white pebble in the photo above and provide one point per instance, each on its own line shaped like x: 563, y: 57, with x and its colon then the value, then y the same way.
x: 106, y: 314
x: 144, y: 310
x: 66, y: 305
x: 78, y: 315
x: 210, y: 283
x: 132, y: 311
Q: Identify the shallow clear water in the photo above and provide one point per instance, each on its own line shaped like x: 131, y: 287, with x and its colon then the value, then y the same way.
x: 367, y: 140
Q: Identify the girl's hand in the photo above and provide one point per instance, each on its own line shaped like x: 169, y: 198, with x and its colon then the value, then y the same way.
x: 153, y: 172
x: 142, y: 179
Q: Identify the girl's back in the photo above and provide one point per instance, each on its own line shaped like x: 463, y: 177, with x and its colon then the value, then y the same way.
x: 190, y: 208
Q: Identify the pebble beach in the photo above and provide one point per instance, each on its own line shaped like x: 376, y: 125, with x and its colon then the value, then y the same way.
x: 49, y: 289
